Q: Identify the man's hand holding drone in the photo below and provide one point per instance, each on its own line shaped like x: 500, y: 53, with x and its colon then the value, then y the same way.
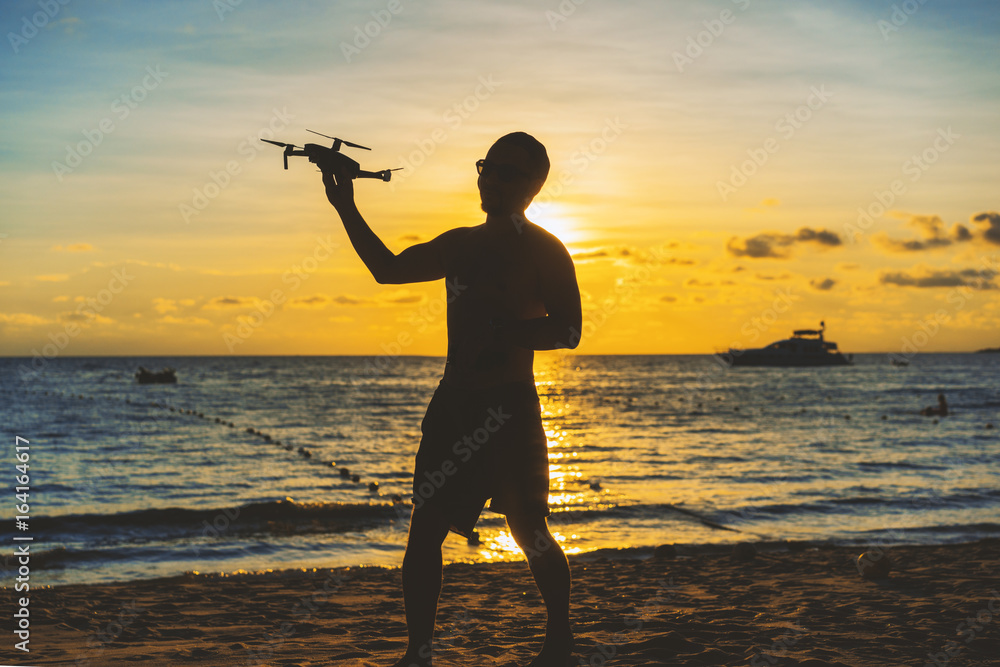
x: 337, y: 179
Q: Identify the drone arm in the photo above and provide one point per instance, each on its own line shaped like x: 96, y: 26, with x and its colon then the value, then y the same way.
x: 383, y: 175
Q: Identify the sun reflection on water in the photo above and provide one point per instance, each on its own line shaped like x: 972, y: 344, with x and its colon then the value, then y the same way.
x: 502, y: 547
x: 569, y: 486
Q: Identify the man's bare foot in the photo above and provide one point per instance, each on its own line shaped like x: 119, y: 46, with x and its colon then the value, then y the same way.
x: 557, y: 651
x: 412, y: 660
x: 421, y: 657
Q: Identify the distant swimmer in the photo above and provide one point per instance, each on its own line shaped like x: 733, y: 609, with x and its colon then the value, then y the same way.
x: 940, y: 411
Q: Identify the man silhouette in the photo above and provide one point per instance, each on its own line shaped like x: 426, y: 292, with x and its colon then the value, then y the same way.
x: 512, y: 290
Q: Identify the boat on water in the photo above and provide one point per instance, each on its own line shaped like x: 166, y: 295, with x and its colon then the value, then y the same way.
x: 806, y: 347
x: 146, y: 376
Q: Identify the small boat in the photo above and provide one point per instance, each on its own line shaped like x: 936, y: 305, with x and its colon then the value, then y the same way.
x: 165, y: 376
x: 939, y: 410
x: 806, y: 347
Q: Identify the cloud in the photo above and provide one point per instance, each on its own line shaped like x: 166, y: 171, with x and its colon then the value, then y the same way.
x: 654, y: 257
x: 930, y: 226
x: 22, y: 319
x: 777, y: 245
x: 933, y: 235
x: 668, y: 298
x: 614, y: 252
x: 186, y: 321
x: 349, y: 300
x: 590, y: 254
x: 53, y: 277
x: 75, y: 247
x: 927, y: 278
x: 764, y: 205
x: 164, y: 306
x: 824, y: 285
x: 991, y: 221
x: 88, y: 317
x: 220, y: 302
x: 883, y: 241
x: 821, y: 236
x: 315, y: 301
x: 399, y: 297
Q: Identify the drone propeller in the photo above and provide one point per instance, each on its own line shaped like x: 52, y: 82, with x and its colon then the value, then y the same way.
x: 278, y: 143
x: 343, y: 141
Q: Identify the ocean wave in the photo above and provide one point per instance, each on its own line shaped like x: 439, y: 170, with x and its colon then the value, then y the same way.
x: 961, y: 500
x: 174, y: 523
x: 904, y: 465
x: 933, y: 534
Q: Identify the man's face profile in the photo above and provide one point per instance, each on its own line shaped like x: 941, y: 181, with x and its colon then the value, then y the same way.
x: 507, y: 181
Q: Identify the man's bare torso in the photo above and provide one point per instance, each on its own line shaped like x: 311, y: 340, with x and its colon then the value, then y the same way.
x: 495, y: 276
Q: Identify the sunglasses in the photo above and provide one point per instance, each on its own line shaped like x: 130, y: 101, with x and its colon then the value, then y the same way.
x: 507, y: 173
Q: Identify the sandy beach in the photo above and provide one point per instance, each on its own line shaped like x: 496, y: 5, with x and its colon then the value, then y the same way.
x: 804, y: 606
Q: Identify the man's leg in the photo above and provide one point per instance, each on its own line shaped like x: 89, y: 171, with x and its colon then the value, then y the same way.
x: 422, y: 582
x: 551, y: 572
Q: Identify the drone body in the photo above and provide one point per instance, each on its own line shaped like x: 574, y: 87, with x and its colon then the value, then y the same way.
x: 330, y: 159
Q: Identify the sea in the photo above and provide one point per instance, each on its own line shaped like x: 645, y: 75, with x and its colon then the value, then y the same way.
x: 269, y: 463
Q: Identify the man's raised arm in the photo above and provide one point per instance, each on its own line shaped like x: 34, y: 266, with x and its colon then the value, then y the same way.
x: 418, y: 263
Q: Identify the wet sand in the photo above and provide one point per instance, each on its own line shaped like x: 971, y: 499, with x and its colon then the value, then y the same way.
x: 939, y: 606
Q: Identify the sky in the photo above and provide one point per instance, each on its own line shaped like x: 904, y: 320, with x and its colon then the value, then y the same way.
x: 723, y: 172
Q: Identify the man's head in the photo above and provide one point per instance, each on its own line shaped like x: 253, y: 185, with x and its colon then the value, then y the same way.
x: 512, y: 174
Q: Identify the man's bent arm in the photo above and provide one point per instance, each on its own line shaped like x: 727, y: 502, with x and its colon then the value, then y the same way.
x: 561, y: 327
x: 542, y: 333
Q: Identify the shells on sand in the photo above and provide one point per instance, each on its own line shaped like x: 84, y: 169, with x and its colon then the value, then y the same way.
x: 874, y: 565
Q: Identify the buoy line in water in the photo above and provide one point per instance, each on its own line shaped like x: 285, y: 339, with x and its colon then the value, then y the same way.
x: 303, y: 452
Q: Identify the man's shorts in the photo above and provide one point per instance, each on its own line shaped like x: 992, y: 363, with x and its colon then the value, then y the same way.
x: 482, y: 444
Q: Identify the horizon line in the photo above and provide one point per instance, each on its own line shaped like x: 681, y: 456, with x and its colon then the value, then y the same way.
x: 435, y: 356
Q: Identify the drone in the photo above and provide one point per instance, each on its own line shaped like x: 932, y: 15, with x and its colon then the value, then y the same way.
x: 331, y: 159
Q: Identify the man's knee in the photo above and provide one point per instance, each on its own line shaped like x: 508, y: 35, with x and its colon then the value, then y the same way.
x: 532, y: 534
x: 524, y: 521
x: 428, y: 528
